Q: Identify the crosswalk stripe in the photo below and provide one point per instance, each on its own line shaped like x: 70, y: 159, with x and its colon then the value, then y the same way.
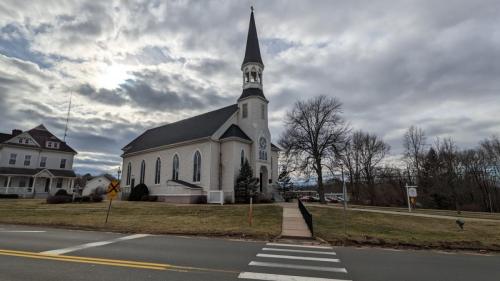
x: 278, y: 277
x: 296, y: 258
x: 296, y: 266
x: 299, y: 251
x: 299, y: 246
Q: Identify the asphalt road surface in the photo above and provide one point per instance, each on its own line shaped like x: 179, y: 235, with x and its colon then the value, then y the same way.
x: 37, y: 253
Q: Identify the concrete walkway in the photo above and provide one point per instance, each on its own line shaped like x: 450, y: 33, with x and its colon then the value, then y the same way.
x: 414, y: 214
x: 294, y: 225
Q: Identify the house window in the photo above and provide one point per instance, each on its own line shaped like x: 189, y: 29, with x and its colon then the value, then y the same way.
x: 63, y: 164
x: 242, y: 156
x: 26, y: 141
x: 197, y: 167
x: 263, y: 111
x: 244, y: 112
x: 49, y: 144
x: 158, y: 171
x: 59, y: 182
x: 12, y: 160
x: 20, y: 140
x: 175, y: 168
x: 56, y: 145
x: 43, y: 162
x: 143, y: 171
x: 129, y: 172
x: 27, y: 160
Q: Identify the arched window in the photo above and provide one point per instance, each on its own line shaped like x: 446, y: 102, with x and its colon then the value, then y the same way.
x: 262, y: 148
x: 242, y: 156
x: 129, y: 173
x: 143, y: 171
x: 158, y: 171
x: 253, y: 75
x: 175, y: 168
x: 197, y: 167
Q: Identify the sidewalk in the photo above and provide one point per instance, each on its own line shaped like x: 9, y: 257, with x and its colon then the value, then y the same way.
x: 407, y: 214
x: 294, y: 225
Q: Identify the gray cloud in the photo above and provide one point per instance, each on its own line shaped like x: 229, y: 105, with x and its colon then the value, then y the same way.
x: 392, y: 64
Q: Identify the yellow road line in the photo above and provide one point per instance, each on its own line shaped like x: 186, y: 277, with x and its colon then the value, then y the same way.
x: 111, y: 262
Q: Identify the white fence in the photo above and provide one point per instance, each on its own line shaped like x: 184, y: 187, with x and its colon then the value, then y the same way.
x: 215, y: 197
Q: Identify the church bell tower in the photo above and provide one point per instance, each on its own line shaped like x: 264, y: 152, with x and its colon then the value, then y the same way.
x: 252, y: 104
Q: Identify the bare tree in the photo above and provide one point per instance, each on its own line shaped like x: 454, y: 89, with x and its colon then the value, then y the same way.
x: 448, y: 155
x: 313, y: 128
x: 414, y: 143
x: 372, y: 151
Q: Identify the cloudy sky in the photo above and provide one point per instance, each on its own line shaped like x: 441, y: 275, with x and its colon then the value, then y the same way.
x: 135, y: 65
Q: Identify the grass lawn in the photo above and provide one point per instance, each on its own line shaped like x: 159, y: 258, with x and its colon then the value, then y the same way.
x: 147, y: 217
x: 403, y: 231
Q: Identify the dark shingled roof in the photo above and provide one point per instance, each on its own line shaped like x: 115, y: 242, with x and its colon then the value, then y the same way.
x: 274, y: 147
x: 252, y: 52
x: 196, y: 127
x: 252, y: 92
x: 235, y: 131
x: 5, y: 137
x: 41, y: 135
x: 30, y: 172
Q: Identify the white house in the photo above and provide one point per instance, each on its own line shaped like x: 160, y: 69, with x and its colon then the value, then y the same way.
x: 185, y: 160
x: 101, y: 182
x: 35, y: 163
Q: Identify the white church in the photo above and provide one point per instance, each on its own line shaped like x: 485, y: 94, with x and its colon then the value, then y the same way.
x: 195, y: 158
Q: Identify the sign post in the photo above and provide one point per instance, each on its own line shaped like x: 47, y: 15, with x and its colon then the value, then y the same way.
x: 411, y: 191
x: 112, y: 192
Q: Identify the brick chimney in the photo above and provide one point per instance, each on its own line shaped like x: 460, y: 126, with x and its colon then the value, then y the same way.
x: 16, y: 132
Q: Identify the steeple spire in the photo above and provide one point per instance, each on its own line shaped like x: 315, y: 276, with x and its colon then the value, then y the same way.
x: 252, y: 52
x: 252, y: 66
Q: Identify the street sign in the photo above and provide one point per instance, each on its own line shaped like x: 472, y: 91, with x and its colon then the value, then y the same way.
x: 412, y: 192
x: 113, y: 189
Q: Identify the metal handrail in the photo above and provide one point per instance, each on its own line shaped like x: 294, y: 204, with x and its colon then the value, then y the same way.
x: 307, y: 216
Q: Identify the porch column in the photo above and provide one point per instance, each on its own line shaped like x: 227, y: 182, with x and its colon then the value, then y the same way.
x: 8, y: 184
x: 50, y: 184
x: 33, y: 186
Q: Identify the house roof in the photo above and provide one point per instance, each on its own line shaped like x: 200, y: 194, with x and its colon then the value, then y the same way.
x: 41, y: 135
x: 252, y: 51
x: 274, y: 147
x: 4, y: 137
x: 196, y: 127
x: 236, y: 132
x: 252, y: 92
x: 31, y: 172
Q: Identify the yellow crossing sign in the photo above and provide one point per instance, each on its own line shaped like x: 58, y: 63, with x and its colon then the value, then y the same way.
x: 113, y: 189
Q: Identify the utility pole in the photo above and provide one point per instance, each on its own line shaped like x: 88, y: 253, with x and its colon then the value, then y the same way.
x: 67, y: 117
x: 344, y: 195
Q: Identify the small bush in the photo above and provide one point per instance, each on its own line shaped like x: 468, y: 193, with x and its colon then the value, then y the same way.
x: 95, y: 197
x: 9, y: 196
x: 86, y: 199
x: 61, y: 192
x: 138, y: 192
x: 59, y: 199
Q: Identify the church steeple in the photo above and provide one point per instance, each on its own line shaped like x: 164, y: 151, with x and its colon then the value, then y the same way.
x: 252, y: 66
x: 252, y: 52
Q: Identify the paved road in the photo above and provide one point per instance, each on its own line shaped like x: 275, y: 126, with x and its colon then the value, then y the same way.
x: 35, y: 253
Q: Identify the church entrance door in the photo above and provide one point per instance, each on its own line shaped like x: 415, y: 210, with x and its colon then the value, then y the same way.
x: 263, y: 179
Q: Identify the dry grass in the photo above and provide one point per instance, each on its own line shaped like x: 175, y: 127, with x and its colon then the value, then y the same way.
x: 148, y: 217
x: 404, y: 231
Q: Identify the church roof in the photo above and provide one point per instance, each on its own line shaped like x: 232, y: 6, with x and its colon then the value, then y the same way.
x: 252, y: 92
x: 252, y: 52
x: 196, y: 127
x: 234, y: 131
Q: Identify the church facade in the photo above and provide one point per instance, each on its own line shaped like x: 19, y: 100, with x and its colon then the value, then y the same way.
x: 188, y: 160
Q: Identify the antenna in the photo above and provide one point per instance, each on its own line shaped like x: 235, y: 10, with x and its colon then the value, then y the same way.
x: 67, y: 117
